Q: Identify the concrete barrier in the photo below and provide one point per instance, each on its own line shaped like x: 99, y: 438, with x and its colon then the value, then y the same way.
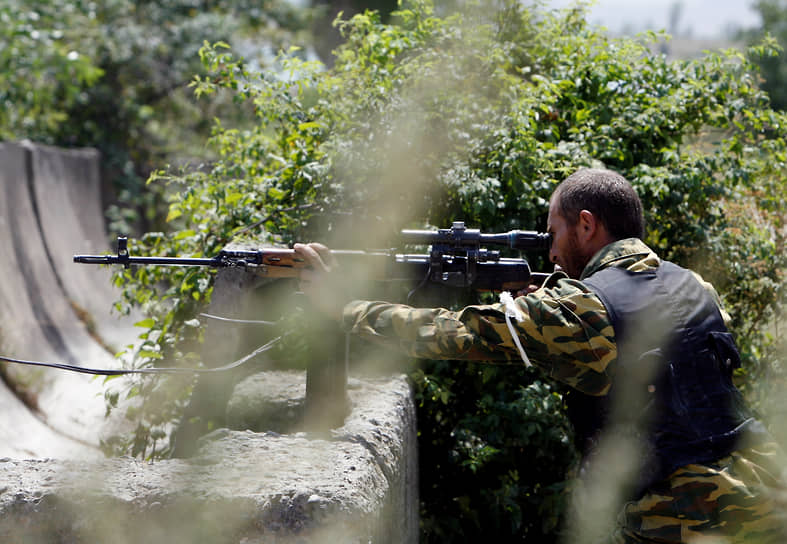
x: 66, y: 189
x: 355, y: 484
x: 36, y: 322
x: 256, y: 479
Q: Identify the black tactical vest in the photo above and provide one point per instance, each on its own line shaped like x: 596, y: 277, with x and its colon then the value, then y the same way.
x: 672, y: 381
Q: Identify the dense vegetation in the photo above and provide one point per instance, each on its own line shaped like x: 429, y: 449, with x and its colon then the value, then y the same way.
x: 475, y: 115
x: 111, y: 75
x: 773, y: 14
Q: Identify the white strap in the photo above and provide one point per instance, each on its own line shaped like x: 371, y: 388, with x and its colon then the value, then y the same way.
x: 512, y: 311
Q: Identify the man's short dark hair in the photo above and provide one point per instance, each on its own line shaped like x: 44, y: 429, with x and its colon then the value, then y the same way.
x: 607, y: 195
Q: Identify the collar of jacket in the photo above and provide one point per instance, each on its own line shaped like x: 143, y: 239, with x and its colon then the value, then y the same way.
x: 629, y: 253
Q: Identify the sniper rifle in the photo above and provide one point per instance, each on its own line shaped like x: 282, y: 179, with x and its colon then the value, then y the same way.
x: 456, y: 258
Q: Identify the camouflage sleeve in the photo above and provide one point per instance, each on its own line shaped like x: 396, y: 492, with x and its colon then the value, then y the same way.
x: 565, y: 331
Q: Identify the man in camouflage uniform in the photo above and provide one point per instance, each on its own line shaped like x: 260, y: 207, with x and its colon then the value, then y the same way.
x: 644, y: 347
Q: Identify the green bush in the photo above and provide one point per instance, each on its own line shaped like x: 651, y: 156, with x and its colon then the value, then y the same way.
x: 114, y: 75
x: 773, y: 28
x: 476, y: 116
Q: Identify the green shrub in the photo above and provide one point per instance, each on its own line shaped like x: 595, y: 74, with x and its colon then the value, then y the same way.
x: 114, y: 75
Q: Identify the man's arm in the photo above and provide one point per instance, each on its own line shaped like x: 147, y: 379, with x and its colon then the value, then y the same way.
x: 565, y: 331
x: 565, y: 328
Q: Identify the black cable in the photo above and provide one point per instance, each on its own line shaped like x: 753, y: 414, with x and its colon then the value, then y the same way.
x: 162, y: 370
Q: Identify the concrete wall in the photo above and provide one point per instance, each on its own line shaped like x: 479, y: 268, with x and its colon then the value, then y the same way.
x: 262, y: 476
x: 354, y: 484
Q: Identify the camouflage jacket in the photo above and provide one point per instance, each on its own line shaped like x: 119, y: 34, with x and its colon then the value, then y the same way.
x: 566, y: 330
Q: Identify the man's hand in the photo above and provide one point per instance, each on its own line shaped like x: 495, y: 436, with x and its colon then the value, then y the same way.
x: 532, y: 288
x: 320, y: 283
x: 317, y: 255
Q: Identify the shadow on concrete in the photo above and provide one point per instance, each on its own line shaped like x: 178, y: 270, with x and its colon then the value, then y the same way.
x: 50, y: 210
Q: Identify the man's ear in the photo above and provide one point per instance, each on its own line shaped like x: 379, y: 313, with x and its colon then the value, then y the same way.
x: 587, y: 225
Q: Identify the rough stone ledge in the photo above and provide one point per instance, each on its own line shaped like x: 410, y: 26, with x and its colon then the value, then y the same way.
x: 357, y: 483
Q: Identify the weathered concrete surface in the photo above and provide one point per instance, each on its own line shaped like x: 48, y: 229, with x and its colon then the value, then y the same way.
x: 268, y: 401
x: 354, y: 484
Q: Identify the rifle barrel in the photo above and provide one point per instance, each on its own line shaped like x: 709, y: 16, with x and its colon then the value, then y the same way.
x: 170, y: 261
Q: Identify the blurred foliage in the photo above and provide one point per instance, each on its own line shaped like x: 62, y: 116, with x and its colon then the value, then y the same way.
x: 473, y: 114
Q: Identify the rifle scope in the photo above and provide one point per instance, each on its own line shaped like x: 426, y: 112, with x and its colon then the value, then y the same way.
x: 459, y: 236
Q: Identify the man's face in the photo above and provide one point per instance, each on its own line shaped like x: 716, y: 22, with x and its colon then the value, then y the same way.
x: 565, y: 250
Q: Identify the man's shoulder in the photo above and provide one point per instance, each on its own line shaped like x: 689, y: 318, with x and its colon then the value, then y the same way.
x: 634, y: 255
x: 630, y: 253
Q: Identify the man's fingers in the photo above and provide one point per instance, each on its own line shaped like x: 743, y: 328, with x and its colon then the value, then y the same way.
x: 316, y: 281
x: 325, y: 254
x: 527, y: 290
x: 317, y: 255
